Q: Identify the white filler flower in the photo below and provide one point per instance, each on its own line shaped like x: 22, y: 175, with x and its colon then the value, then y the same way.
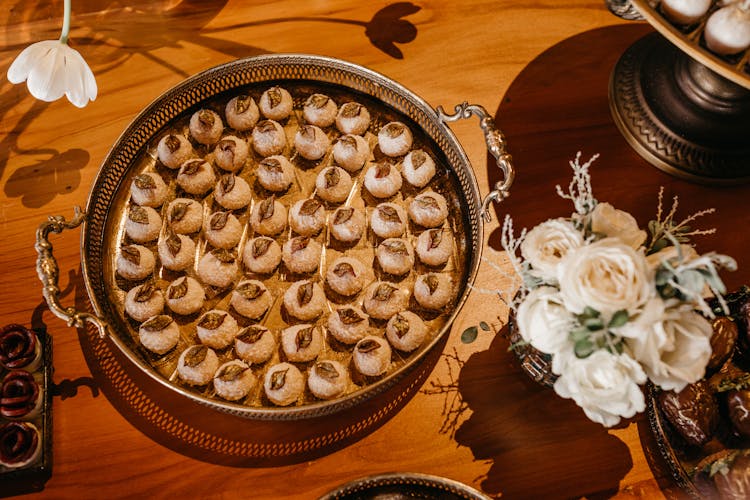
x: 52, y: 69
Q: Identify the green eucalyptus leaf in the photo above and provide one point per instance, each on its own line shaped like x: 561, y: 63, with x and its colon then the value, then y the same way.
x: 619, y: 318
x: 579, y: 334
x: 590, y: 312
x: 666, y: 291
x: 469, y: 335
x: 530, y: 281
x: 619, y: 347
x: 706, y: 273
x: 583, y: 348
x: 659, y: 245
x: 593, y: 324
x: 714, y: 281
x: 726, y: 262
x: 719, y: 287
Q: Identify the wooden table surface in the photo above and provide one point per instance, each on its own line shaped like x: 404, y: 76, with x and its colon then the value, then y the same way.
x: 472, y: 415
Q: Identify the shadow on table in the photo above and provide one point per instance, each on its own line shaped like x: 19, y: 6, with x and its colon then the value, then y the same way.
x: 538, y: 444
x: 59, y: 169
x: 65, y: 388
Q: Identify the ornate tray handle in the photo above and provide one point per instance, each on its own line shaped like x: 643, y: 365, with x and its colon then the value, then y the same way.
x: 46, y: 268
x: 495, y: 144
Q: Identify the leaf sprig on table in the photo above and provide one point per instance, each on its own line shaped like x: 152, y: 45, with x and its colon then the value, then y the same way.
x: 470, y: 334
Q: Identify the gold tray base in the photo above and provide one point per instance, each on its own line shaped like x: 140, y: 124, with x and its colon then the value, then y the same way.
x: 679, y: 115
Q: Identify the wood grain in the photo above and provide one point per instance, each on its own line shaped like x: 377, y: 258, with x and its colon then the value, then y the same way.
x: 476, y: 418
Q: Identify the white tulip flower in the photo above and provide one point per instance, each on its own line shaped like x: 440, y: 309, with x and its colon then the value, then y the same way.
x: 52, y: 68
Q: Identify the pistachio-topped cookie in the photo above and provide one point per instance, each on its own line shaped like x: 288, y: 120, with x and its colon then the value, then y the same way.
x: 206, y: 126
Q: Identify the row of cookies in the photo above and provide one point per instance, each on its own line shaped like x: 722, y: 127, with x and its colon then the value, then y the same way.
x: 275, y: 173
x: 261, y: 254
x: 284, y: 382
x: 243, y: 115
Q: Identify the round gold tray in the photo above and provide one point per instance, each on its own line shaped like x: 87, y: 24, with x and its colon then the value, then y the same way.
x: 102, y: 231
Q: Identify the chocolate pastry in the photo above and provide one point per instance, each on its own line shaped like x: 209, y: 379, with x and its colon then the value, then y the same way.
x: 738, y: 406
x: 739, y: 309
x: 724, y: 475
x: 19, y: 394
x: 19, y: 347
x: 723, y: 341
x: 19, y: 444
x: 693, y: 412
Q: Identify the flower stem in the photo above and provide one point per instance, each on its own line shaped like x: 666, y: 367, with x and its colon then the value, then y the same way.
x: 66, y: 23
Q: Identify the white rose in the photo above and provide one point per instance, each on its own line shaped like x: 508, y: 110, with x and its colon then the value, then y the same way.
x: 605, y: 385
x: 669, y: 253
x: 672, y: 343
x: 543, y: 321
x: 609, y: 221
x: 606, y: 275
x: 547, y: 243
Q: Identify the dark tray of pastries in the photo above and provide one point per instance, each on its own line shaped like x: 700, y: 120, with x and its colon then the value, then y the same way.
x: 25, y: 409
x: 703, y: 431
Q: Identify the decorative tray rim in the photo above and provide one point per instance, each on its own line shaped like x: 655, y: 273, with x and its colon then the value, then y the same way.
x: 194, y: 87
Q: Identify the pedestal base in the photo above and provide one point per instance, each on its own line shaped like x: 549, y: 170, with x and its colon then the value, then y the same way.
x: 679, y: 115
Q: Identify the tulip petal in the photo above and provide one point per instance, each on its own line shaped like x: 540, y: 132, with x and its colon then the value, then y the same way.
x: 53, y: 69
x: 20, y: 67
x: 81, y: 85
x: 74, y: 85
x: 43, y: 82
x: 27, y: 60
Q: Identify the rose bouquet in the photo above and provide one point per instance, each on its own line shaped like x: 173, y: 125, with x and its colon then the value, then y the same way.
x: 612, y: 304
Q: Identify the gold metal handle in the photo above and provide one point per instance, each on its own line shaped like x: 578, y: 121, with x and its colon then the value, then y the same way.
x: 46, y: 268
x: 495, y: 145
